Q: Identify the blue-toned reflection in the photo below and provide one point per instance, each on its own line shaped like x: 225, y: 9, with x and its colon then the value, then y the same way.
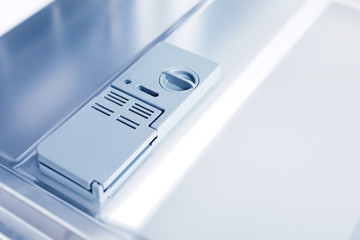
x: 56, y: 59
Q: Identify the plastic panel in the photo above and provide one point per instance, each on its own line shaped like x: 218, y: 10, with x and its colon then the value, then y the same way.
x: 100, y: 141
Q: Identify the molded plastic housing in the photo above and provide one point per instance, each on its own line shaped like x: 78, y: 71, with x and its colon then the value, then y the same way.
x: 91, y: 151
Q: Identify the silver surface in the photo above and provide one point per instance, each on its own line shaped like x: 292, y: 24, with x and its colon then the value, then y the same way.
x: 23, y: 215
x: 233, y: 32
x: 287, y: 165
x: 54, y: 61
x: 230, y: 33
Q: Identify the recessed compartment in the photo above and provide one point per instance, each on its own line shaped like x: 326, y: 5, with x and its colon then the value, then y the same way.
x: 91, y: 152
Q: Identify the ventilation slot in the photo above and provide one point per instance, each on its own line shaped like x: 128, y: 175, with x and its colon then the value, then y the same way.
x: 141, y: 110
x: 117, y: 93
x: 102, y: 109
x: 144, y: 108
x: 147, y: 91
x: 113, y: 100
x: 116, y: 98
x: 128, y: 122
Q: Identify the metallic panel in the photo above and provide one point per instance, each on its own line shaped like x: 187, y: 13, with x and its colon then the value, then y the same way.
x: 59, y: 57
x: 287, y: 165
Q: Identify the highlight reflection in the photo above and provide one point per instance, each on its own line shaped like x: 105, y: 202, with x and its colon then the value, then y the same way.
x: 54, y: 61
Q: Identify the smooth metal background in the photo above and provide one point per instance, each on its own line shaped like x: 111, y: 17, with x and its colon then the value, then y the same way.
x: 231, y: 33
x: 49, y: 66
x: 54, y: 61
x: 287, y: 164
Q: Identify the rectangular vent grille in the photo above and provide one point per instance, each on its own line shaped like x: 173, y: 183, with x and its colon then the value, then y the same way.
x: 141, y: 110
x: 102, y: 109
x: 116, y: 98
x: 128, y: 122
x: 124, y: 108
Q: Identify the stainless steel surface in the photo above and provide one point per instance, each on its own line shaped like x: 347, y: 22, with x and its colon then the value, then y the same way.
x: 14, y: 12
x: 233, y: 32
x: 26, y: 209
x: 230, y: 33
x: 54, y: 61
x: 272, y: 172
x: 287, y: 164
x: 49, y: 66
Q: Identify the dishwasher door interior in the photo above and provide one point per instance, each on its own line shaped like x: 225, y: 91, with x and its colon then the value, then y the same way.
x: 181, y: 119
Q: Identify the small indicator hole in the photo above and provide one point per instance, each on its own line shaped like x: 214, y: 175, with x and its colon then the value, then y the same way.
x: 147, y: 91
x: 127, y: 81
